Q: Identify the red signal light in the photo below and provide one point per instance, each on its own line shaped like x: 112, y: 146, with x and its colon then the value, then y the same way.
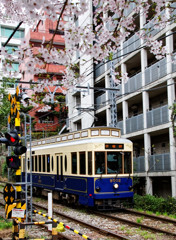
x: 12, y: 139
x: 13, y: 162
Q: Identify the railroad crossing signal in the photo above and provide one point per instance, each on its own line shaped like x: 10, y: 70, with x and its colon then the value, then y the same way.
x: 9, y: 193
x: 13, y: 162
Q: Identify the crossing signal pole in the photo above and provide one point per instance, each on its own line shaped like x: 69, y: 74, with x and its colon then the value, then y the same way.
x: 13, y: 193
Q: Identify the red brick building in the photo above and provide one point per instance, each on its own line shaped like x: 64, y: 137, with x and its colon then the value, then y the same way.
x: 46, y: 120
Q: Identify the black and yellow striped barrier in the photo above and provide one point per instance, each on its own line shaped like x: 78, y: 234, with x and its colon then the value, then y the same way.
x: 61, y: 225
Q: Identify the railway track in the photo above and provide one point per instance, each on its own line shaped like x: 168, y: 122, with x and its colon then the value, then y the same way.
x: 100, y: 230
x: 139, y: 225
x: 123, y: 219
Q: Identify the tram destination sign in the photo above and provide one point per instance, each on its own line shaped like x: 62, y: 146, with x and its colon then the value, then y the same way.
x: 9, y: 193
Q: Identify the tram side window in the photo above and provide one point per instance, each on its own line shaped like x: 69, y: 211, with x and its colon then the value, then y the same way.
x: 114, y: 162
x: 65, y: 163
x: 39, y: 163
x: 48, y: 163
x: 99, y: 162
x: 36, y: 164
x: 28, y: 160
x: 44, y: 168
x: 74, y: 163
x: 32, y: 163
x: 127, y: 162
x: 82, y: 162
x: 90, y: 163
x: 52, y: 163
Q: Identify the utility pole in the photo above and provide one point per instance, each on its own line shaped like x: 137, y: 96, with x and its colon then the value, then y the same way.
x: 113, y: 94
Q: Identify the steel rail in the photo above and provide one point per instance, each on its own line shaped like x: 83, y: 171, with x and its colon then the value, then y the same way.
x: 132, y: 223
x: 98, y: 229
x: 159, y: 218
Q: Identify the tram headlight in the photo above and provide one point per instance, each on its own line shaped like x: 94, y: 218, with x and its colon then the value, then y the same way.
x: 97, y: 188
x: 116, y: 186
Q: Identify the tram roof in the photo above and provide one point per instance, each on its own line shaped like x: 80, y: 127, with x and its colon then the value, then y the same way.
x: 95, y: 134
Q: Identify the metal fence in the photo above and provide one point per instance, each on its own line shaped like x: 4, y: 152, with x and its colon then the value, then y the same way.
x: 131, y: 44
x: 159, y: 162
x: 120, y: 125
x: 134, y: 124
x: 157, y: 116
x: 134, y: 83
x: 139, y: 164
x: 100, y: 101
x: 156, y: 71
x: 99, y: 69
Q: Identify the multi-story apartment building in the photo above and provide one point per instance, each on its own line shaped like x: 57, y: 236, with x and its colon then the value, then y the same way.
x: 143, y: 104
x: 6, y: 29
x: 43, y: 30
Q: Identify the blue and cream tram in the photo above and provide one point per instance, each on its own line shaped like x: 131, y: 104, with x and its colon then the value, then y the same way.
x: 92, y: 167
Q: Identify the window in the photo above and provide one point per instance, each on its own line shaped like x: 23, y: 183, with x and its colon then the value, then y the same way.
x: 39, y: 163
x: 32, y: 163
x: 57, y: 158
x: 44, y: 168
x: 90, y: 163
x: 28, y: 160
x: 127, y: 162
x: 52, y: 164
x: 74, y: 163
x: 61, y: 160
x: 82, y: 162
x: 99, y: 162
x: 114, y: 162
x: 36, y: 165
x: 10, y: 48
x: 48, y: 163
x: 6, y: 32
x: 65, y: 163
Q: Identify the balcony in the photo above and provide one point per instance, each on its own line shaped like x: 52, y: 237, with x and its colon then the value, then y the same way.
x: 120, y: 125
x: 100, y: 101
x: 134, y: 83
x: 134, y: 124
x: 139, y: 164
x: 128, y: 10
x: 99, y: 69
x: 159, y: 162
x: 156, y: 71
x: 131, y: 44
x: 157, y: 116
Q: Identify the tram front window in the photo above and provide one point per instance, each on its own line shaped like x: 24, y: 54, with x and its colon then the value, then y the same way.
x: 114, y: 162
x: 99, y: 162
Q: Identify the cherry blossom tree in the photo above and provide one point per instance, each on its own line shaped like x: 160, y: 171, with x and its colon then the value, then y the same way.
x: 101, y: 40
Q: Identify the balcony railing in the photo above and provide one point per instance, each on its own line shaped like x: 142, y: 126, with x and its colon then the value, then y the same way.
x: 157, y: 116
x: 139, y: 164
x: 99, y: 69
x: 100, y: 101
x: 128, y: 10
x: 159, y: 162
x: 156, y: 71
x: 134, y: 124
x: 131, y: 44
x: 120, y: 125
x: 134, y: 83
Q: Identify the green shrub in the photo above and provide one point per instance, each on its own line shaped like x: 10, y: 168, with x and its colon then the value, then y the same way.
x: 155, y: 204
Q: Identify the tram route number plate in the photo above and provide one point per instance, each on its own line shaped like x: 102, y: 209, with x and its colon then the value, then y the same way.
x: 18, y: 213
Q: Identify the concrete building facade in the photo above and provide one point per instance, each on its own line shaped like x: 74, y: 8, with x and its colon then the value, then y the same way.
x: 6, y: 29
x: 143, y: 104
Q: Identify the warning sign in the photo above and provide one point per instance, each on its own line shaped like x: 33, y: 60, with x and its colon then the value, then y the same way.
x: 18, y: 213
x: 9, y: 193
